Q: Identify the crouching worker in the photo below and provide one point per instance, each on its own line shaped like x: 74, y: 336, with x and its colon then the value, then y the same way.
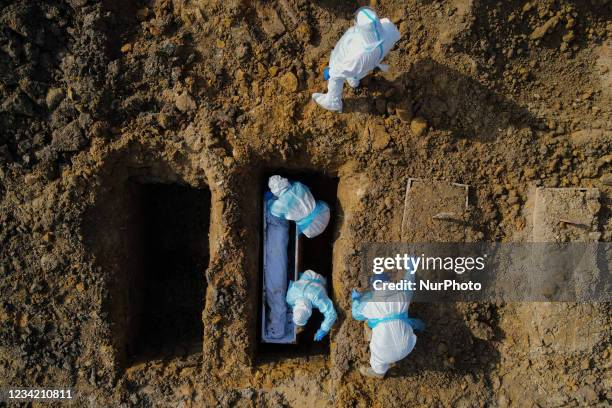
x: 294, y: 202
x: 308, y: 292
x: 392, y: 335
x: 360, y: 50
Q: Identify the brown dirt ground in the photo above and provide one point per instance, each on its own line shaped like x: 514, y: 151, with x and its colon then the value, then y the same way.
x: 101, y: 98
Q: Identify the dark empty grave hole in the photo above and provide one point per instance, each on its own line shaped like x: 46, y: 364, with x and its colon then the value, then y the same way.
x: 316, y: 254
x: 167, y: 230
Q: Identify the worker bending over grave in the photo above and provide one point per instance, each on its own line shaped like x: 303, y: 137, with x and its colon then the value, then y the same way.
x: 294, y: 202
x: 386, y: 313
x: 309, y: 291
x: 360, y: 50
x: 285, y: 202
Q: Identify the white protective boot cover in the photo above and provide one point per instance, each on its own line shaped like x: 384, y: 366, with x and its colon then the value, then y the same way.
x: 353, y: 82
x: 332, y: 100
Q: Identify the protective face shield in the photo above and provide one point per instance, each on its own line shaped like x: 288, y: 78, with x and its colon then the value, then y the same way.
x: 278, y: 184
x: 301, y: 312
x: 369, y: 28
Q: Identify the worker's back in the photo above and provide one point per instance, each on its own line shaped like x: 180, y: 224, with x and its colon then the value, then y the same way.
x: 394, y: 338
x: 294, y: 203
x: 360, y: 50
x: 311, y: 286
x: 386, y: 312
x: 353, y: 58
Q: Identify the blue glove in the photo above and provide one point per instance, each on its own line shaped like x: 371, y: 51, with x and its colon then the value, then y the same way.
x: 326, y: 73
x: 320, y: 334
x: 355, y: 294
x: 416, y: 324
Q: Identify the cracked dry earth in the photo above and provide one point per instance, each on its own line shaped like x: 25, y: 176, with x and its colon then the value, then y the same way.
x: 135, y: 138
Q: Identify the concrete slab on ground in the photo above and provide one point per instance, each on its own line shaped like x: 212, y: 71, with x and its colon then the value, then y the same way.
x: 434, y: 211
x: 566, y: 215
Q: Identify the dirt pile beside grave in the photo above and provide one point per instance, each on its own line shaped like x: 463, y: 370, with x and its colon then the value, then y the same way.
x: 116, y: 116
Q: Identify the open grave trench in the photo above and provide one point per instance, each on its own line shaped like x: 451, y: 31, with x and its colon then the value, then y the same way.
x: 168, y: 296
x: 151, y: 234
x: 316, y: 254
x: 168, y: 224
x: 148, y: 231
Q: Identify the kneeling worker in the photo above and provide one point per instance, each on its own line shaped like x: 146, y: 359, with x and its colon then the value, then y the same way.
x: 392, y: 336
x: 309, y: 291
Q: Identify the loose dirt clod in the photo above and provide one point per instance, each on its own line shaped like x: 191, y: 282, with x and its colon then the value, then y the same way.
x: 289, y: 82
x: 184, y: 102
x: 418, y: 126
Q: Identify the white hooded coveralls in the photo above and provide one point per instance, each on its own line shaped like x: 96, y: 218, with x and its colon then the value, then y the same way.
x: 357, y: 53
x: 310, y: 289
x: 393, y: 339
x: 295, y: 202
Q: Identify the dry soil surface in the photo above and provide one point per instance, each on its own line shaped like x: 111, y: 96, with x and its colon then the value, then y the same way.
x: 130, y: 129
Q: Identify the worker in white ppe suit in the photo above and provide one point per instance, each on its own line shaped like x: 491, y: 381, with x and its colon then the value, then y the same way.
x: 285, y: 202
x: 359, y: 51
x: 294, y: 202
x: 392, y: 336
x: 308, y: 292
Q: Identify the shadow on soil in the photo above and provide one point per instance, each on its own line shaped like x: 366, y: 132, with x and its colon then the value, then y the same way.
x: 447, y: 345
x: 447, y: 99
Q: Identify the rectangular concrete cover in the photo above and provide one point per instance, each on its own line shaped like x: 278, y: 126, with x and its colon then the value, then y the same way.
x: 434, y: 211
x: 565, y: 215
